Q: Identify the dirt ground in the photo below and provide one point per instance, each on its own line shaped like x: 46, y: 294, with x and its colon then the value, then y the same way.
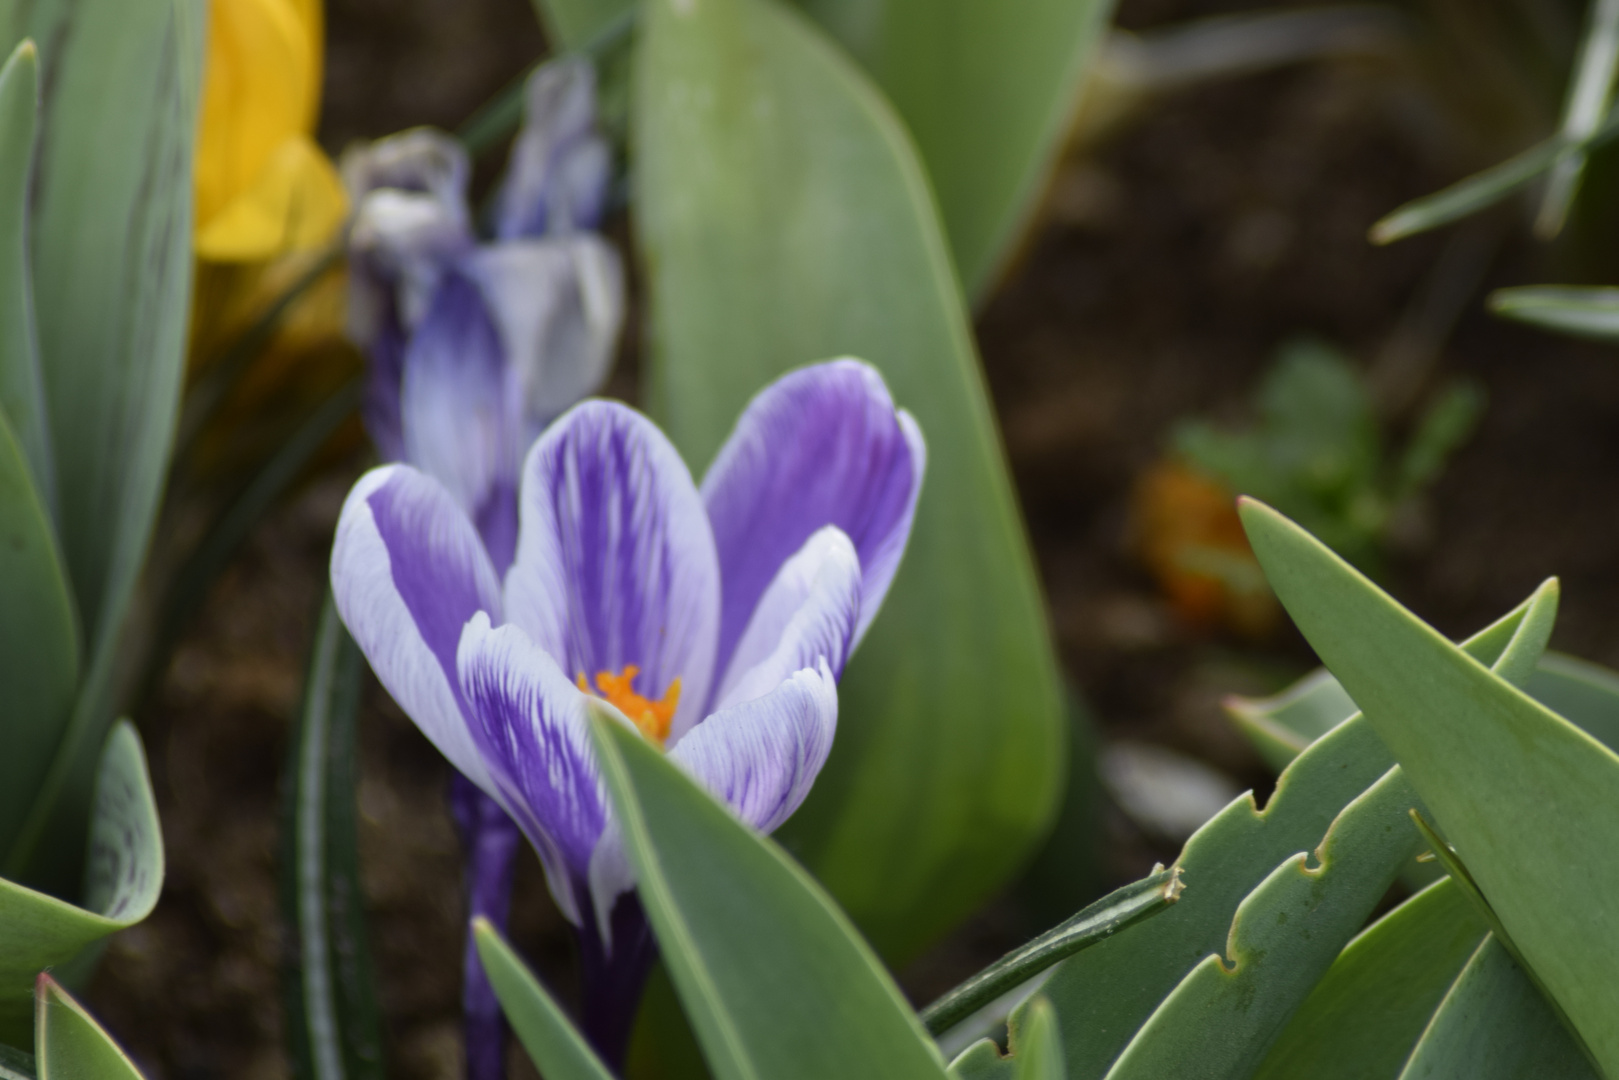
x: 1176, y: 257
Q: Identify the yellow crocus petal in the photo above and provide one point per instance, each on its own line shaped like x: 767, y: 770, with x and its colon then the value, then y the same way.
x: 260, y: 92
x: 297, y: 202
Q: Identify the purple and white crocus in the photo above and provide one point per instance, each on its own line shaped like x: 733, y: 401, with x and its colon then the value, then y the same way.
x: 474, y: 347
x: 716, y: 620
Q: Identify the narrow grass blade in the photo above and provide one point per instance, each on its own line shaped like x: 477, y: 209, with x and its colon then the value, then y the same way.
x: 1590, y: 93
x: 333, y: 1023
x: 1568, y: 309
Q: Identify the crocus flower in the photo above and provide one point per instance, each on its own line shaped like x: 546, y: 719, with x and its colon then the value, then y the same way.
x: 716, y: 621
x: 474, y: 348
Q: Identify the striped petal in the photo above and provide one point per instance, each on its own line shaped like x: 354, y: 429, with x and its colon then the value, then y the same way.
x: 408, y: 573
x: 762, y: 757
x: 560, y: 167
x: 806, y: 616
x: 615, y: 563
x: 531, y: 727
x: 822, y: 445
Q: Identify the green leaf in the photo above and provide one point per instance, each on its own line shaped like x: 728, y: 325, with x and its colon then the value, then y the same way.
x: 1120, y: 908
x: 1441, y: 429
x: 1590, y: 94
x: 785, y: 219
x: 22, y: 397
x: 1104, y: 994
x: 72, y: 1046
x: 111, y: 250
x: 1568, y: 309
x: 1469, y: 196
x: 553, y: 1043
x: 1039, y: 1045
x: 988, y: 90
x: 1494, y: 1025
x: 1366, y: 1014
x: 982, y: 1061
x: 1581, y: 692
x: 1280, y: 727
x: 39, y: 641
x: 776, y: 981
x: 332, y: 1023
x: 1223, y: 1017
x: 1525, y: 797
x: 123, y: 876
x: 16, y: 1065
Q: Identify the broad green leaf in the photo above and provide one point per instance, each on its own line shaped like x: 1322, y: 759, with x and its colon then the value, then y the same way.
x: 571, y: 24
x: 1039, y: 1046
x: 1120, y: 908
x: 1568, y: 309
x: 334, y: 1027
x: 39, y: 642
x: 1104, y: 994
x: 1494, y: 1025
x: 1280, y: 727
x: 111, y: 253
x: 1581, y: 692
x: 785, y: 219
x: 21, y: 396
x: 1524, y: 796
x: 1590, y: 94
x: 16, y: 1065
x: 555, y: 1046
x: 72, y: 1046
x: 123, y: 876
x: 988, y: 90
x: 1223, y: 1017
x: 776, y: 981
x: 982, y: 1061
x: 1365, y: 1015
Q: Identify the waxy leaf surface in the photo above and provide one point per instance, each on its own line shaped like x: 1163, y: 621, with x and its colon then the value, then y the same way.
x: 785, y: 219
x: 22, y: 397
x: 775, y: 980
x: 123, y: 876
x: 555, y: 1046
x: 1524, y: 796
x: 72, y: 1046
x: 111, y: 256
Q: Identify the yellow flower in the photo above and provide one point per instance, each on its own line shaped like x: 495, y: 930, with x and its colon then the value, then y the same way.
x: 263, y: 187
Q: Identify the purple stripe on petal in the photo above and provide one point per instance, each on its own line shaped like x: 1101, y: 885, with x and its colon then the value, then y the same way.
x: 762, y: 757
x: 460, y: 414
x: 560, y: 167
x: 807, y: 615
x: 408, y: 572
x: 822, y: 445
x: 529, y: 723
x: 615, y: 563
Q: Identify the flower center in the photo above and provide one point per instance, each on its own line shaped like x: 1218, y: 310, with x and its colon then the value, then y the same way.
x: 652, y: 717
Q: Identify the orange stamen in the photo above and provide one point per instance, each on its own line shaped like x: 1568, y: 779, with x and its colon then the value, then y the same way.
x: 652, y: 717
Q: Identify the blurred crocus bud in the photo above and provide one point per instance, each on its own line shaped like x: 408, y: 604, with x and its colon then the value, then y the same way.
x: 560, y: 166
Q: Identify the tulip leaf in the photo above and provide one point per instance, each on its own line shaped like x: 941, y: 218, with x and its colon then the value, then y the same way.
x: 333, y: 1026
x: 1494, y: 1025
x: 1581, y: 692
x: 1280, y: 727
x: 72, y: 1046
x: 111, y: 255
x: 555, y: 1046
x: 785, y: 219
x: 988, y: 90
x: 22, y: 397
x: 1524, y: 796
x: 775, y: 980
x: 16, y: 1065
x: 1568, y: 309
x: 1039, y: 1046
x: 123, y: 876
x: 39, y: 644
x: 1285, y: 936
x: 1365, y: 1015
x: 982, y: 1061
x: 1104, y: 994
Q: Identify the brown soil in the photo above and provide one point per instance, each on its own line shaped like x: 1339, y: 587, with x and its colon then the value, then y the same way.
x: 1177, y: 256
